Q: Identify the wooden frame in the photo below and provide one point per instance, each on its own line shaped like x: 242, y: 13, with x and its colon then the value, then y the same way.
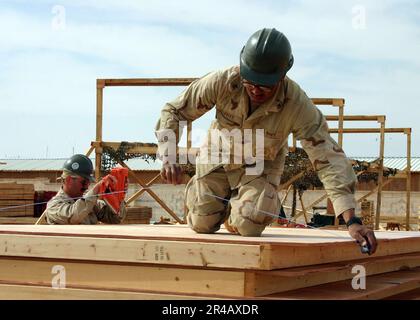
x: 407, y: 172
x: 98, y: 144
x: 341, y: 118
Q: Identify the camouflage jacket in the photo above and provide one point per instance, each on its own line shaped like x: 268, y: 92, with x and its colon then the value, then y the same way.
x: 88, y: 210
x: 288, y: 111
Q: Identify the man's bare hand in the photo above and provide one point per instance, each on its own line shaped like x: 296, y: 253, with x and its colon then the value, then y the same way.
x: 363, y: 234
x: 171, y: 173
x: 108, y: 180
x: 360, y: 233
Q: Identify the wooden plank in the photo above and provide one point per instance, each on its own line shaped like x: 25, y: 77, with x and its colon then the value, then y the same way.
x: 261, y: 283
x: 138, y: 147
x: 4, y: 203
x: 277, y: 247
x: 17, y: 196
x: 151, y: 193
x: 380, y: 175
x: 17, y: 220
x: 36, y: 292
x: 355, y: 117
x: 136, y: 221
x: 16, y: 186
x: 99, y: 122
x: 337, y: 102
x: 16, y: 213
x: 399, y: 219
x: 408, y: 182
x: 139, y: 216
x: 148, y: 82
x: 377, y: 287
x: 139, y: 209
x: 17, y: 191
x: 124, y: 277
x: 410, y: 295
x: 132, y: 251
x: 368, y: 130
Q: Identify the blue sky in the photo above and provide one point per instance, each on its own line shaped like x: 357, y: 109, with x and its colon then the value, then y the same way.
x: 367, y: 52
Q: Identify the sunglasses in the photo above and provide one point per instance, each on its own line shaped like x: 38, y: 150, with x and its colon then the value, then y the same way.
x: 265, y: 89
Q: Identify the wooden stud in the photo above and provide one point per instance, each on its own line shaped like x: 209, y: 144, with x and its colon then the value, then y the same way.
x: 189, y: 135
x: 99, y: 121
x: 336, y: 102
x: 408, y: 181
x: 124, y: 277
x: 340, y: 125
x: 303, y: 209
x: 368, y: 130
x: 37, y: 292
x: 380, y: 175
x: 152, y: 194
x: 138, y: 193
x: 354, y: 117
x: 91, y: 149
x: 148, y: 82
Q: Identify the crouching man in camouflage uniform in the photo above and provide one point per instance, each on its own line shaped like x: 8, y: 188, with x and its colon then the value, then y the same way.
x: 255, y: 95
x: 69, y: 206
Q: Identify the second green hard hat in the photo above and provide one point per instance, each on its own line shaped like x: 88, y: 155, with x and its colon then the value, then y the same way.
x: 266, y: 57
x: 80, y: 165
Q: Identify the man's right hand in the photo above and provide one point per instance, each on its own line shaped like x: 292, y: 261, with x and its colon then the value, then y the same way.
x: 171, y: 173
x: 107, y: 180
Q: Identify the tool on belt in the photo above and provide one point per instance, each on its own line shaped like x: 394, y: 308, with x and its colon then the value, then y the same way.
x: 114, y: 193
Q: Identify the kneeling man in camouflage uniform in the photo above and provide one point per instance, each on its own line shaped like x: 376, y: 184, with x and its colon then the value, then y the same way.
x: 255, y: 97
x: 71, y: 205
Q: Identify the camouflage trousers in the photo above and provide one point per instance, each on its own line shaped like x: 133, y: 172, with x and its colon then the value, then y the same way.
x: 209, y: 201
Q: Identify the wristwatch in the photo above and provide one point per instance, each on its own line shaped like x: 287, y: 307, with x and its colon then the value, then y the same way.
x: 353, y: 220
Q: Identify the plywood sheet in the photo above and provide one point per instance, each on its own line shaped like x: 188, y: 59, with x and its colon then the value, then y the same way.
x: 122, y: 277
x: 37, y: 292
x: 261, y: 283
x: 377, y: 287
x: 183, y: 232
x: 277, y: 248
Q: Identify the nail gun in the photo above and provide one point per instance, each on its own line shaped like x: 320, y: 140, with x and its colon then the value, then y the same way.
x: 114, y: 193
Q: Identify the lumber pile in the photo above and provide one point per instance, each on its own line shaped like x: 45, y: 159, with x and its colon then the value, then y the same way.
x: 138, y: 215
x: 16, y: 195
x: 173, y: 262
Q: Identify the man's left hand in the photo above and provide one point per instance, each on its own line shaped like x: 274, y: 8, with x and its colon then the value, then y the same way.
x: 362, y: 234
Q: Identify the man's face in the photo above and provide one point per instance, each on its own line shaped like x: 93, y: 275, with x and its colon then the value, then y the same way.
x: 76, y: 186
x: 258, y: 94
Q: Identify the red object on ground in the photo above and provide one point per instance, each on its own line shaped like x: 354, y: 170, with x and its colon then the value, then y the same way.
x: 114, y: 193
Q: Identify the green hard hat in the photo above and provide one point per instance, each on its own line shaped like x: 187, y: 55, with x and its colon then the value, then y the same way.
x: 266, y: 57
x: 79, y: 165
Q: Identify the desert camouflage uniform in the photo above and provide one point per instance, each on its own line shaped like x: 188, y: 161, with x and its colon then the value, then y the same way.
x: 253, y: 198
x: 88, y: 210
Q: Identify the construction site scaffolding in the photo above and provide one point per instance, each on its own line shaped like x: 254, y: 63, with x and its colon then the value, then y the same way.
x: 98, y: 145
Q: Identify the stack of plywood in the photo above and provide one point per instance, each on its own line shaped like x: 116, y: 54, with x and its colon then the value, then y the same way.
x: 138, y: 215
x: 173, y: 262
x: 16, y: 200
